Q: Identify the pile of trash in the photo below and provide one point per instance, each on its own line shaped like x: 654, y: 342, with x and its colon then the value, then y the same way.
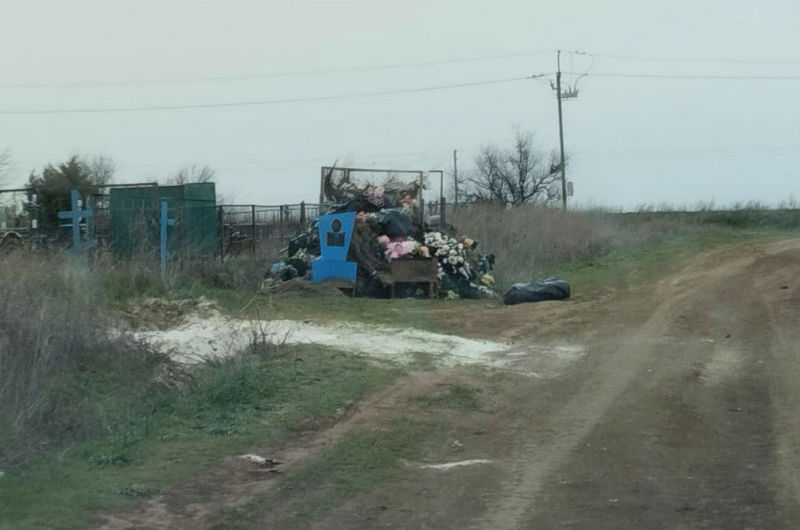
x: 388, y: 227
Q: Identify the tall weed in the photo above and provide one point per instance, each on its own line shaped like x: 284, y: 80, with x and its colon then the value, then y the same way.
x: 532, y: 239
x: 55, y: 338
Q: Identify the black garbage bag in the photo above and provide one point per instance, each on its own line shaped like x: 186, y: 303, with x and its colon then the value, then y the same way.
x: 307, y: 240
x: 299, y: 265
x: 395, y: 223
x: 298, y: 242
x: 547, y: 289
x: 287, y: 273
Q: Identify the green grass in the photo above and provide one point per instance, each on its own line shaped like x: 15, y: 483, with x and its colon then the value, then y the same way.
x: 749, y: 217
x: 353, y: 465
x: 423, y: 360
x: 248, y: 304
x: 631, y: 267
x: 452, y: 396
x: 152, y: 438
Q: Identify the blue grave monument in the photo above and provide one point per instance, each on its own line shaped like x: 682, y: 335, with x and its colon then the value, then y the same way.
x: 334, y: 241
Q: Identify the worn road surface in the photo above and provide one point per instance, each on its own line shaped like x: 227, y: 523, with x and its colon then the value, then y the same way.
x: 683, y: 411
x: 686, y: 413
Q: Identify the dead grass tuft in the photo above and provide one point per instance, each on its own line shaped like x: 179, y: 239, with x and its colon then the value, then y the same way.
x: 531, y: 240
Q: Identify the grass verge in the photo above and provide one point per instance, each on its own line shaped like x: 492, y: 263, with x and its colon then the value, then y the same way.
x: 631, y: 267
x: 355, y: 465
x: 453, y: 396
x: 158, y: 438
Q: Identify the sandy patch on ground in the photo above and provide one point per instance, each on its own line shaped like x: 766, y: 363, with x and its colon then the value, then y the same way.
x: 213, y: 337
x: 203, y: 337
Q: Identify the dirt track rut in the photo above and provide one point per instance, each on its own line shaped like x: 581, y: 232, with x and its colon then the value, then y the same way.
x: 684, y: 419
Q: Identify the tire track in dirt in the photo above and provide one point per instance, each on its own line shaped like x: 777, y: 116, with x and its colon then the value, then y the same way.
x: 612, y: 372
x: 691, y: 444
x: 779, y: 282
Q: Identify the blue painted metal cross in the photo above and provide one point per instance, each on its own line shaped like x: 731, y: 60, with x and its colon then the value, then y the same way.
x: 164, y: 222
x: 75, y: 214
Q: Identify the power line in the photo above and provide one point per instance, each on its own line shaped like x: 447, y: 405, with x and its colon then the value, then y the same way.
x: 704, y: 60
x: 395, y: 66
x: 257, y: 169
x: 256, y: 164
x: 266, y: 101
x: 272, y: 75
x: 730, y: 77
x: 735, y: 77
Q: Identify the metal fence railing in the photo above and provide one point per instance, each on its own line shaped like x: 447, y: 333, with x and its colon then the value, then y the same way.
x: 253, y: 228
x: 237, y: 228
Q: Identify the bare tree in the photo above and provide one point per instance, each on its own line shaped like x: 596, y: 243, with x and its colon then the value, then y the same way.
x: 5, y: 165
x: 193, y: 174
x: 514, y: 176
x: 101, y: 168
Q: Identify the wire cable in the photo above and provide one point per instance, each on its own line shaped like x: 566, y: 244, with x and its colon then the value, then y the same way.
x: 266, y: 101
x: 272, y: 75
x: 731, y: 77
x: 704, y: 60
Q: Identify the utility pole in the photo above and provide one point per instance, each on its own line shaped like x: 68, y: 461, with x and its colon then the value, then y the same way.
x: 561, y: 136
x: 570, y: 93
x: 455, y: 178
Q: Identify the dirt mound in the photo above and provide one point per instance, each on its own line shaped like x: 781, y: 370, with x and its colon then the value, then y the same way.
x: 300, y: 287
x: 162, y: 313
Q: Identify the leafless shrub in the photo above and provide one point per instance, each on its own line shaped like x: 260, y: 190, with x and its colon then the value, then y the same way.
x: 263, y: 341
x: 52, y: 321
x: 5, y: 164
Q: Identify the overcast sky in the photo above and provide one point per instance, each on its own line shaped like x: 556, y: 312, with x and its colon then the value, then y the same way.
x: 633, y: 140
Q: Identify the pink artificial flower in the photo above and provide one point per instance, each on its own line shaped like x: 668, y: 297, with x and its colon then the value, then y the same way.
x: 399, y: 249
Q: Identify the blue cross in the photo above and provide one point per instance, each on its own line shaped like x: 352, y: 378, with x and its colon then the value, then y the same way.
x: 164, y: 222
x: 75, y: 214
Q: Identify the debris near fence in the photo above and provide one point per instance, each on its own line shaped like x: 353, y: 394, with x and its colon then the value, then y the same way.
x: 395, y: 252
x: 302, y: 288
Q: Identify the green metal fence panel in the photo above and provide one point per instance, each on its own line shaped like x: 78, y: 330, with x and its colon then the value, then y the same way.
x: 199, y: 226
x: 134, y: 222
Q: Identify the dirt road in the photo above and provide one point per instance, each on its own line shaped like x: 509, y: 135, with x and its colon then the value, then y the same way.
x: 683, y: 416
x: 683, y: 411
